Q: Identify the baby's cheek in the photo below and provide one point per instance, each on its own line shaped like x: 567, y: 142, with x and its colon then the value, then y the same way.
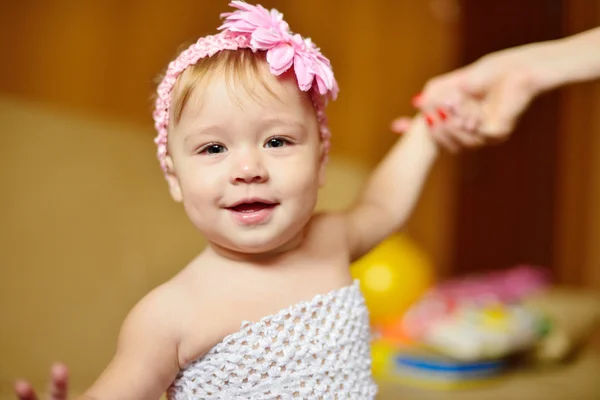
x: 303, y: 183
x: 202, y: 179
x: 200, y: 191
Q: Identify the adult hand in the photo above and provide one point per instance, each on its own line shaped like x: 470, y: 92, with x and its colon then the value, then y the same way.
x: 502, y: 83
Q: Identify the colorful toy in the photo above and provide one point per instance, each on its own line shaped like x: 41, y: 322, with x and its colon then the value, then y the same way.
x: 506, y: 286
x: 416, y: 366
x: 393, y: 276
x: 382, y: 354
x: 479, y: 318
x: 473, y: 333
x: 393, y: 332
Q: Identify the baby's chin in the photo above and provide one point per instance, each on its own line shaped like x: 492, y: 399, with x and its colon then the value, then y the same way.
x: 257, y: 246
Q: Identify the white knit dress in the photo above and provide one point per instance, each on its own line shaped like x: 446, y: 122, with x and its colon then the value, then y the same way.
x: 317, y: 349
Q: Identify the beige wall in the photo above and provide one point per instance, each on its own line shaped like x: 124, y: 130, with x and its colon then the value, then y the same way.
x: 87, y: 228
x: 87, y: 225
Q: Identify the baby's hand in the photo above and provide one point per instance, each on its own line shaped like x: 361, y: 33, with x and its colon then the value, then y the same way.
x: 57, y: 388
x: 454, y: 126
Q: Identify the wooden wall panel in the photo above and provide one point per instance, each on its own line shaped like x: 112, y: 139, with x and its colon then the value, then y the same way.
x: 577, y: 220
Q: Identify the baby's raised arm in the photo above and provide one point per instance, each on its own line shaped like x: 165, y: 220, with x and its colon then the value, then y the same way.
x: 392, y: 190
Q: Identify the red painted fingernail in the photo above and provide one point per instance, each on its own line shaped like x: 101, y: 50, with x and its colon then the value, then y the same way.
x: 429, y: 120
x: 442, y: 114
x: 416, y: 100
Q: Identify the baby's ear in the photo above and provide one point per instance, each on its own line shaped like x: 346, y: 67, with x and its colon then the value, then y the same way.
x: 172, y: 180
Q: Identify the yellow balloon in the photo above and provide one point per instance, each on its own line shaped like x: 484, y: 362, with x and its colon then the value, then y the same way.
x: 392, y: 277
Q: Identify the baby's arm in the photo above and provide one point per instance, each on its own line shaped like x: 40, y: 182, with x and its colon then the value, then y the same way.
x: 392, y: 190
x: 146, y: 359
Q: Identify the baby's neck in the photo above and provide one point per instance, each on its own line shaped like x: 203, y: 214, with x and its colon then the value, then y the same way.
x: 265, y: 258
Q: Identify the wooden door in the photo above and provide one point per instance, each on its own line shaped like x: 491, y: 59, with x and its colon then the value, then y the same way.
x: 506, y: 194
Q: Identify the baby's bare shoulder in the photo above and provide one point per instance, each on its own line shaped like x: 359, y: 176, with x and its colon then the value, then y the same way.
x: 158, y: 311
x: 174, y: 312
x: 203, y: 313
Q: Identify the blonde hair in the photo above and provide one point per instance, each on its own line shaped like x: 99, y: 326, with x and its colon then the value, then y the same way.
x: 242, y: 68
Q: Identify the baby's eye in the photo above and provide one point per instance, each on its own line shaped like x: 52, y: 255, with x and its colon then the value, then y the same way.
x: 277, y: 142
x: 212, y: 149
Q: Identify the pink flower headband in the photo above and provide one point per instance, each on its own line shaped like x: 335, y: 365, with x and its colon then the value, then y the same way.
x: 255, y: 28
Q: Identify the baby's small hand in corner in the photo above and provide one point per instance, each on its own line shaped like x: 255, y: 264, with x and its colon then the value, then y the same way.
x: 57, y: 387
x: 455, y: 126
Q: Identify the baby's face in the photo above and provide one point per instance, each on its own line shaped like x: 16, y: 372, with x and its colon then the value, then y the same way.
x: 248, y: 168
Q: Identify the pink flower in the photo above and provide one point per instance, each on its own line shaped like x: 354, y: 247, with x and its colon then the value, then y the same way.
x: 269, y: 32
x: 249, y: 19
x: 280, y: 58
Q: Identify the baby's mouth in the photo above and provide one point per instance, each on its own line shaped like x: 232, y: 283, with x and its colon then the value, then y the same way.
x: 252, y: 207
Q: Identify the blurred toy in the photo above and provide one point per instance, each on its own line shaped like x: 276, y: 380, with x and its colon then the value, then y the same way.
x: 506, y: 286
x: 393, y: 332
x: 393, y: 276
x: 415, y: 366
x: 484, y: 333
x: 382, y: 354
x: 480, y: 317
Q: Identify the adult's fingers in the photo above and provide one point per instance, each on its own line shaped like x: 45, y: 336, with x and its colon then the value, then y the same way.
x: 505, y: 104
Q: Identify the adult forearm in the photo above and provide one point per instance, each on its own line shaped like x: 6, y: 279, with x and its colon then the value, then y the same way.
x: 577, y: 59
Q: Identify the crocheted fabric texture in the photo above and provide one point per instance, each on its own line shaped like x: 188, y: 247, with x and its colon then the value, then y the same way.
x: 317, y: 349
